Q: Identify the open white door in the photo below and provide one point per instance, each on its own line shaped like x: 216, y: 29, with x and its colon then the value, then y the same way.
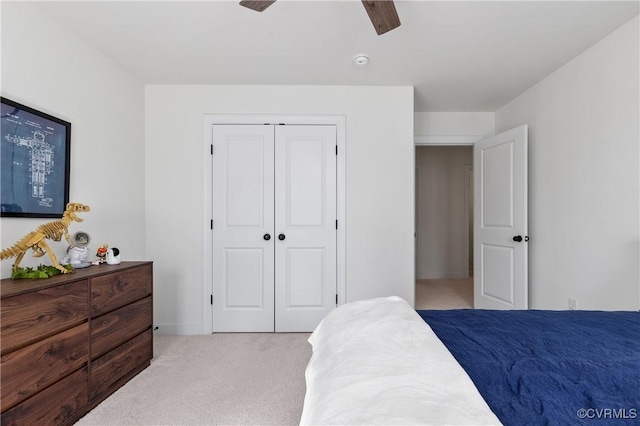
x: 500, y: 221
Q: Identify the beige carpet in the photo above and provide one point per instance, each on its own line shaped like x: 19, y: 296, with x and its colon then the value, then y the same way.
x: 219, y: 379
x: 444, y: 294
x: 235, y: 379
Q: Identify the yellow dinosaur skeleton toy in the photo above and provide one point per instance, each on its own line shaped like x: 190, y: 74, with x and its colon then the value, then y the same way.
x: 35, y: 240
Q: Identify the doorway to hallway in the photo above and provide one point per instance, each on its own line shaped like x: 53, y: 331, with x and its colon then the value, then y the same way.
x: 444, y: 224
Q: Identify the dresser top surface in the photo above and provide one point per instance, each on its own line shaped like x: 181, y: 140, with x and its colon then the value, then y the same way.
x: 10, y: 287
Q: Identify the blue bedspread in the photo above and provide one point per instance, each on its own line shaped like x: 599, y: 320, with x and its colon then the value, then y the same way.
x: 548, y: 367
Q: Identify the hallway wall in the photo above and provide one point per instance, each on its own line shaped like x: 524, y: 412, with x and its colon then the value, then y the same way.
x: 442, y: 233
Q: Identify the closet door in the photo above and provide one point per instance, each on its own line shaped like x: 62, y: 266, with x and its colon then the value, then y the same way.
x: 243, y: 233
x: 274, y: 236
x: 305, y: 223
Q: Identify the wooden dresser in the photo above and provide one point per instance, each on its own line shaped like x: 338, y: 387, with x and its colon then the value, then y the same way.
x: 70, y: 341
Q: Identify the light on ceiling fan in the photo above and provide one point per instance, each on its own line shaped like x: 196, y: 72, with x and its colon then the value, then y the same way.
x: 361, y: 60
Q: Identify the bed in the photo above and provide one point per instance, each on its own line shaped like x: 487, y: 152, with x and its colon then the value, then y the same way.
x: 379, y: 361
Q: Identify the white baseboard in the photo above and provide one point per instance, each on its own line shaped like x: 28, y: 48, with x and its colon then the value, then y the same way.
x: 177, y: 329
x: 446, y: 276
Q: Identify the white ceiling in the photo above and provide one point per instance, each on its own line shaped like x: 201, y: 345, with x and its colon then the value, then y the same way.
x: 459, y: 56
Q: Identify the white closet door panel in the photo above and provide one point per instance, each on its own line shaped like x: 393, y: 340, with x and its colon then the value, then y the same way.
x: 245, y: 182
x: 305, y: 207
x: 305, y: 186
x: 243, y: 211
x: 303, y: 288
x: 244, y: 287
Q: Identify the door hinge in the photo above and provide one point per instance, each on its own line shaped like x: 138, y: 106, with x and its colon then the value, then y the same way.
x: 212, y: 299
x: 336, y: 149
x: 211, y: 149
x: 336, y: 223
x: 211, y: 223
x: 336, y: 300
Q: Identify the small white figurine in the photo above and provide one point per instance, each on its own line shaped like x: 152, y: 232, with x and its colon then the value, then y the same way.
x: 78, y: 253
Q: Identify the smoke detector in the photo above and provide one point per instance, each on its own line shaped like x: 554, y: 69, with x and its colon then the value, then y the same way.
x: 361, y: 60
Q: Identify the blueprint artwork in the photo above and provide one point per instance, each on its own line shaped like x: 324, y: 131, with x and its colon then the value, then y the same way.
x: 32, y: 162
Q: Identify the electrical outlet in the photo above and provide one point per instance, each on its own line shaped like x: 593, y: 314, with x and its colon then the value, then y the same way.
x: 573, y: 304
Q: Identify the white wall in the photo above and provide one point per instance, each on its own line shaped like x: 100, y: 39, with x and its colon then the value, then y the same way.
x: 53, y: 71
x: 453, y: 124
x: 443, y: 236
x: 379, y: 186
x: 584, y: 177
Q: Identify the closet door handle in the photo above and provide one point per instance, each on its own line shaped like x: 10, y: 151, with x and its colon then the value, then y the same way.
x: 281, y: 237
x: 266, y: 237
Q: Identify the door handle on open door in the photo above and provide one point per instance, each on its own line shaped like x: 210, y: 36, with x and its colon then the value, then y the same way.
x: 518, y: 238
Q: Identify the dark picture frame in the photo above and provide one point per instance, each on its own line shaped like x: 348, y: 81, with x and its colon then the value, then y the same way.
x: 35, y: 159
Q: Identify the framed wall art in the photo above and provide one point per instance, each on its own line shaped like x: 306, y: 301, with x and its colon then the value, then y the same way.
x: 34, y: 162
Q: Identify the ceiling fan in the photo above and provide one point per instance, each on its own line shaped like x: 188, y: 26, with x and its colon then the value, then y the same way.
x: 382, y: 13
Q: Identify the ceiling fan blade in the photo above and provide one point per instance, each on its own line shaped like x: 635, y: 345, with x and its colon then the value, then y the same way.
x: 257, y: 5
x: 383, y: 15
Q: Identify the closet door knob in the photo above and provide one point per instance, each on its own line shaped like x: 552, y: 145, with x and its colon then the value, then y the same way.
x: 266, y: 237
x: 517, y: 238
x: 281, y: 237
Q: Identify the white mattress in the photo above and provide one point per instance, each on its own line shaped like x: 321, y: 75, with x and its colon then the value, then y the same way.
x: 377, y: 362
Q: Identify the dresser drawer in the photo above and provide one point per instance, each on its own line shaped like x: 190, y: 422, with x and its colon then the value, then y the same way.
x: 29, y: 317
x: 109, y: 292
x: 27, y: 371
x: 111, y: 330
x: 52, y: 406
x: 110, y: 368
